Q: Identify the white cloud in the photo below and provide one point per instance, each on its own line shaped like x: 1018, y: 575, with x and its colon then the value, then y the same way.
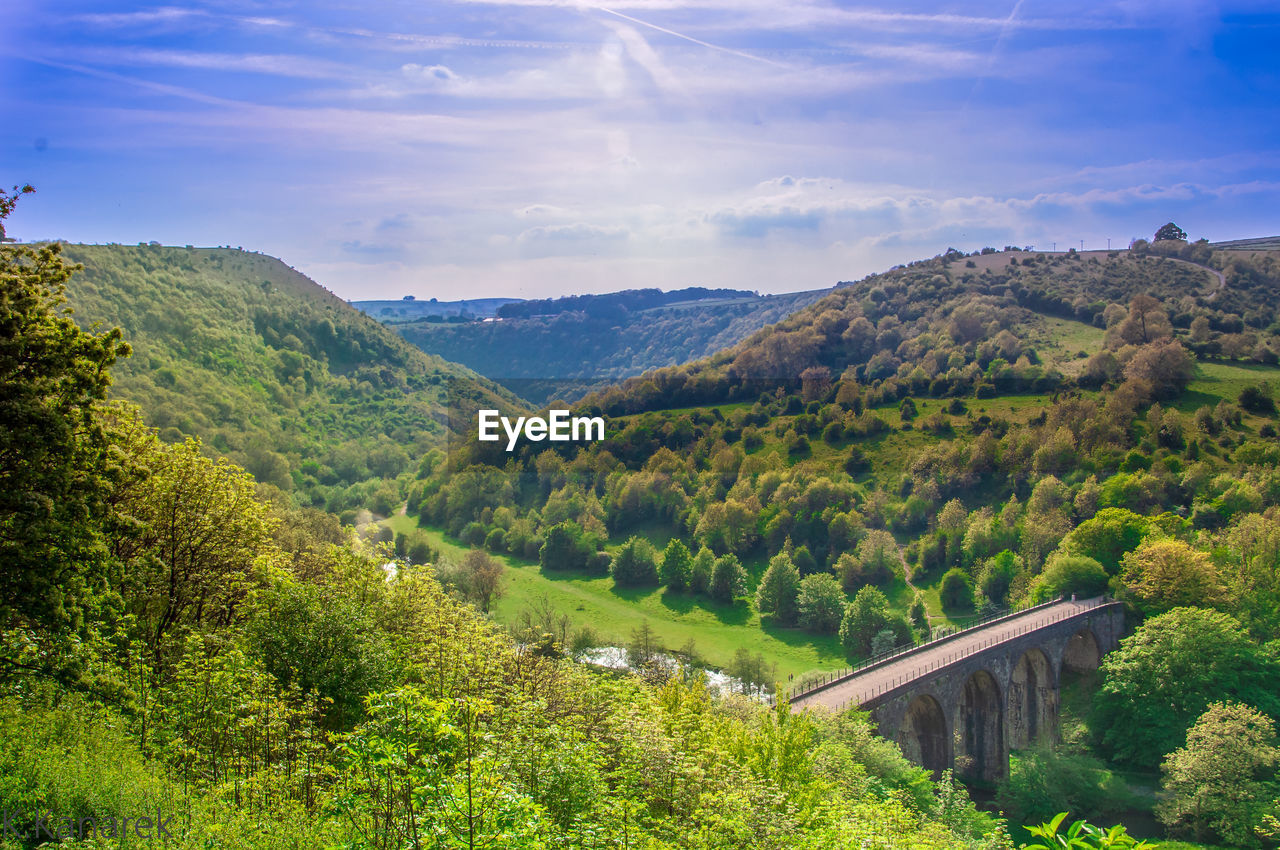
x: 576, y: 232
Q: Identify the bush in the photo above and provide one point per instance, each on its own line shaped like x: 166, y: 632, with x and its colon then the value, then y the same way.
x: 1042, y: 782
x: 496, y: 540
x: 821, y: 604
x: 957, y: 590
x: 473, y: 534
x: 856, y: 462
x: 1257, y: 399
x: 599, y: 563
x: 636, y: 564
x: 866, y: 617
x: 728, y: 579
x: 1065, y: 574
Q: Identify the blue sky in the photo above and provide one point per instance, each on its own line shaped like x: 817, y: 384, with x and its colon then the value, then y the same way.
x: 538, y: 147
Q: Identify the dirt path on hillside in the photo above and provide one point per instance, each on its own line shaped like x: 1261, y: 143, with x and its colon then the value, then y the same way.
x: 1219, y: 276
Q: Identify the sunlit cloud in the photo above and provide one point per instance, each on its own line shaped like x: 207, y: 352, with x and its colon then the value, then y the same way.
x: 525, y: 147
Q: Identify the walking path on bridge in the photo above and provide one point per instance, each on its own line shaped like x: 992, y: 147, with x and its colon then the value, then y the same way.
x: 865, y: 685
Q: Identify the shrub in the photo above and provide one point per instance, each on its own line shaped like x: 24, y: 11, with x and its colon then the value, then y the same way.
x: 728, y: 579
x: 956, y: 590
x: 635, y: 564
x: 1065, y: 574
x: 821, y: 604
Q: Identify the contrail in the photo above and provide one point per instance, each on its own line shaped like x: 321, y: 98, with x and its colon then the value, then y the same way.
x: 1005, y: 28
x: 697, y: 41
x: 162, y: 88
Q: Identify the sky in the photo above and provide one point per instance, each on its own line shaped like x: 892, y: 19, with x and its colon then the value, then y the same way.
x: 528, y: 148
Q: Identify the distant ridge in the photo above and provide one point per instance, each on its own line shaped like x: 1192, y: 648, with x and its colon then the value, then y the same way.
x: 412, y: 309
x: 571, y: 346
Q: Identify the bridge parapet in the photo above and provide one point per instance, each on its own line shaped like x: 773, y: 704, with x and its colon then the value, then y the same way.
x: 967, y: 699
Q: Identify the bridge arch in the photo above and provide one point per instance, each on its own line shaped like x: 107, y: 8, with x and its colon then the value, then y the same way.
x: 923, y: 735
x: 981, y: 752
x: 1032, y: 705
x: 1083, y: 653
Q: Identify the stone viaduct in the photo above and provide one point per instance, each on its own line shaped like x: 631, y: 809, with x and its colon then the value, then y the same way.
x: 966, y: 699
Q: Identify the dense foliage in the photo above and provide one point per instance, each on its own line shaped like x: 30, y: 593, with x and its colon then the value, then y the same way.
x: 947, y: 438
x: 272, y: 371
x: 252, y: 677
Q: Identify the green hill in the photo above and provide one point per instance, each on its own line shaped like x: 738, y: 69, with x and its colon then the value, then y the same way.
x: 188, y: 657
x: 273, y: 371
x: 564, y: 348
x: 922, y: 420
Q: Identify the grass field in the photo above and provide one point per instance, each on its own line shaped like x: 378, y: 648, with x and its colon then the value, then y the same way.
x: 1063, y: 341
x: 717, y: 631
x: 1217, y: 381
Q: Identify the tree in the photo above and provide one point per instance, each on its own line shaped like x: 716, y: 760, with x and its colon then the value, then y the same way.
x: 728, y: 578
x: 319, y: 638
x: 820, y: 604
x: 1254, y: 572
x: 1164, y: 366
x: 815, y: 382
x: 1066, y: 574
x: 752, y: 671
x: 9, y: 200
x: 878, y: 561
x: 643, y: 647
x: 1167, y: 673
x: 1215, y: 781
x: 1171, y: 231
x: 55, y: 460
x: 1164, y: 574
x: 779, y: 590
x: 700, y: 571
x: 199, y: 542
x: 956, y: 590
x: 1108, y: 536
x: 477, y: 578
x: 997, y: 575
x: 865, y: 617
x: 677, y: 565
x: 919, y: 615
x: 635, y: 564
x: 1145, y: 321
x: 565, y: 547
x: 805, y: 563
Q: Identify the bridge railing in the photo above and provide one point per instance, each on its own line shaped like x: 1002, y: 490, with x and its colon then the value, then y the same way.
x: 896, y: 654
x: 938, y: 663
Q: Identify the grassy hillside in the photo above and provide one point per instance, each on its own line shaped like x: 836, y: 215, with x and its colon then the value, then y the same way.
x: 573, y: 345
x: 186, y: 661
x: 965, y: 405
x: 916, y: 449
x: 273, y: 371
